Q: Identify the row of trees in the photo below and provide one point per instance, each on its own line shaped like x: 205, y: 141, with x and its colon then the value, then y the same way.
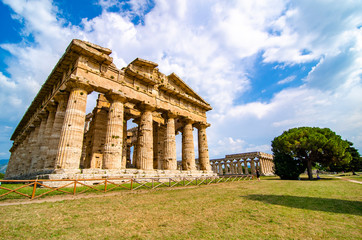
x: 306, y: 147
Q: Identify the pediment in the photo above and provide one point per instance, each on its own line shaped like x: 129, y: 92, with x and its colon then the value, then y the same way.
x: 179, y: 85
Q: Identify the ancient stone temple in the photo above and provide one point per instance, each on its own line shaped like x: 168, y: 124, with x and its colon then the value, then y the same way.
x: 57, y: 139
x: 244, y: 163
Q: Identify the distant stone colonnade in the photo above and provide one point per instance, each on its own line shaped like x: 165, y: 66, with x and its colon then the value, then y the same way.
x: 242, y: 162
x: 55, y: 136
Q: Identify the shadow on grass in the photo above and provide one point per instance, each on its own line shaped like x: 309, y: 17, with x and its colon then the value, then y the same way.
x: 311, y: 203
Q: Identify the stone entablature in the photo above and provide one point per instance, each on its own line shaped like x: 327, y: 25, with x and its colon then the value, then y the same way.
x: 240, y: 164
x: 55, y: 135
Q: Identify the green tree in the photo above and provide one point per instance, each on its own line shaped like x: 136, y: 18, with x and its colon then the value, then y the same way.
x: 286, y: 167
x: 306, y: 146
x: 356, y: 162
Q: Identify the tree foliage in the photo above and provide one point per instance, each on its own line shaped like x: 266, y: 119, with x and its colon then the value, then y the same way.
x: 356, y: 162
x: 304, y: 147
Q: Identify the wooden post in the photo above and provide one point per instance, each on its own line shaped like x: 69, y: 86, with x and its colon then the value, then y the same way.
x: 105, y: 185
x: 34, y: 188
x: 75, y: 187
x: 131, y: 183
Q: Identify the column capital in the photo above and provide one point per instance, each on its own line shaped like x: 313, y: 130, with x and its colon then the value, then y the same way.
x: 200, y: 125
x: 115, y: 97
x: 77, y: 84
x: 187, y: 120
x: 145, y: 107
x: 169, y: 114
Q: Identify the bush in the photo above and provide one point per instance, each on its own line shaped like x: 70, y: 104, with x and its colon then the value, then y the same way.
x: 2, y: 175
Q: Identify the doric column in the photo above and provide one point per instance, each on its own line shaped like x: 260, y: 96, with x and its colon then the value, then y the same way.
x: 134, y: 156
x: 12, y: 162
x: 246, y: 167
x: 156, y: 155
x: 252, y: 166
x: 33, y: 146
x: 161, y: 138
x: 267, y: 166
x: 204, y: 160
x: 24, y: 162
x: 125, y: 145
x: 188, y: 151
x: 47, y: 133
x: 71, y: 137
x: 62, y: 100
x: 41, y: 141
x: 83, y: 163
x: 113, y: 148
x: 145, y: 139
x: 170, y: 161
x: 262, y: 166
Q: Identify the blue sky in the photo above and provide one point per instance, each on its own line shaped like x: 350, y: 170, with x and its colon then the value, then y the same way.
x: 264, y: 66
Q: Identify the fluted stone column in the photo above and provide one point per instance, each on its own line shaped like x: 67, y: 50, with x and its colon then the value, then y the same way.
x: 33, y: 146
x: 156, y: 155
x: 240, y: 168
x: 188, y: 151
x: 24, y: 165
x: 62, y: 100
x: 267, y: 166
x: 252, y: 166
x: 47, y: 134
x: 262, y: 167
x: 246, y: 167
x: 145, y: 139
x: 161, y: 138
x: 41, y: 141
x: 125, y: 145
x: 12, y: 162
x: 204, y: 160
x: 71, y: 137
x: 170, y: 161
x: 113, y: 148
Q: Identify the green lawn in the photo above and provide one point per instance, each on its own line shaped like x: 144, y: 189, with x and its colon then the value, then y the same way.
x: 269, y: 209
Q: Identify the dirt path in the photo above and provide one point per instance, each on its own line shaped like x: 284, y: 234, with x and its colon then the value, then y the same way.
x: 346, y: 179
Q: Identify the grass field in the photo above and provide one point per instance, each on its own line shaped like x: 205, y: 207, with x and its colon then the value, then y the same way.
x: 269, y: 209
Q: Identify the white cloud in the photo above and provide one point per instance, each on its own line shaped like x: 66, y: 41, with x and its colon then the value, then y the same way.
x: 287, y: 80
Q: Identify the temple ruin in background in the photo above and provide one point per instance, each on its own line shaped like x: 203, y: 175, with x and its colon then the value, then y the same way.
x: 244, y: 163
x: 57, y: 139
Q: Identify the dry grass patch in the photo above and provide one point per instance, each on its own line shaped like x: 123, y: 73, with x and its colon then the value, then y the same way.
x: 273, y: 209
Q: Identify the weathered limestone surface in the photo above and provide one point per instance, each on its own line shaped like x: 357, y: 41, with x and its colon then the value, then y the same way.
x: 188, y: 151
x: 145, y: 140
x: 114, y: 138
x: 62, y: 100
x: 203, y: 148
x: 169, y: 144
x: 71, y: 137
x: 56, y: 139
